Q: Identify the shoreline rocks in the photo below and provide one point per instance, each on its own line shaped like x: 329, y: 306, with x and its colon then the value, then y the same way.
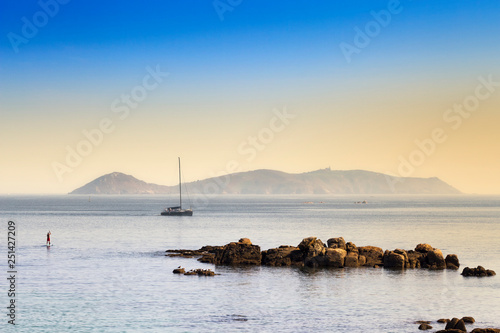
x: 312, y: 252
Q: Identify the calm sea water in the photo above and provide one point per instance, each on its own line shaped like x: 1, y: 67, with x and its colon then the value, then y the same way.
x: 107, y: 271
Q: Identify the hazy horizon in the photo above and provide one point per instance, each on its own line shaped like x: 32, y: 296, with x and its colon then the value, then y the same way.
x: 407, y: 88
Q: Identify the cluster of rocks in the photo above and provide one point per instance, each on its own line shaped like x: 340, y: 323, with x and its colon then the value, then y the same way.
x: 312, y: 252
x: 480, y: 271
x: 198, y: 271
x: 456, y: 325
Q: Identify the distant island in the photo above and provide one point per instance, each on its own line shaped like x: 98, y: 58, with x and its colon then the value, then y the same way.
x: 324, y: 181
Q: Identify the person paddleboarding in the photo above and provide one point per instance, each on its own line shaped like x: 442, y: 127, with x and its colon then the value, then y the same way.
x: 48, y: 238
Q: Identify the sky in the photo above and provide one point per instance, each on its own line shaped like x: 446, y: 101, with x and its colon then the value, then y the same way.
x: 406, y: 88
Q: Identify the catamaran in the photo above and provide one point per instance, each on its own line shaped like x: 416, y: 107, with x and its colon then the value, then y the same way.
x: 177, y: 210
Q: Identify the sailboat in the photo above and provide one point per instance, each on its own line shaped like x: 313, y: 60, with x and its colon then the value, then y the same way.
x: 177, y: 210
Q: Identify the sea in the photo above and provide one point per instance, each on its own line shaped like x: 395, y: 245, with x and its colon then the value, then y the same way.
x: 107, y: 270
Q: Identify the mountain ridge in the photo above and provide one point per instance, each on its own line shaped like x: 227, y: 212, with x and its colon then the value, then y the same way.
x: 266, y: 181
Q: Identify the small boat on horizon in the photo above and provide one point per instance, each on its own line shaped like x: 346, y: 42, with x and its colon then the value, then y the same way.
x: 177, y: 210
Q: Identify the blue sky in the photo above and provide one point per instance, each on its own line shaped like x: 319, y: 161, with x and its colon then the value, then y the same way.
x: 227, y: 75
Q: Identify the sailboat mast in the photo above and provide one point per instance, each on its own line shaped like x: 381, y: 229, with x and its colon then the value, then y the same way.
x: 180, y: 187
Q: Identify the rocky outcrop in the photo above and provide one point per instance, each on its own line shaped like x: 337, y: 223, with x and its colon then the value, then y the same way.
x: 479, y: 271
x: 312, y: 252
x: 235, y: 253
x: 283, y: 256
x: 486, y: 330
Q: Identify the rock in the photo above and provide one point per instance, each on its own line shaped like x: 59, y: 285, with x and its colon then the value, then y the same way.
x: 452, y: 261
x: 435, y: 259
x: 351, y: 247
x: 333, y: 258
x: 451, y: 330
x: 208, y: 258
x: 314, y: 253
x: 460, y: 326
x: 451, y: 324
x: 179, y: 270
x: 352, y: 260
x: 312, y: 247
x: 469, y: 320
x: 486, y: 330
x: 456, y: 324
x: 283, y: 256
x: 415, y: 259
x: 208, y: 254
x: 373, y: 255
x: 335, y: 243
x: 424, y: 327
x: 442, y: 321
x: 236, y: 254
x: 394, y: 259
x: 245, y: 241
x: 480, y: 271
x: 200, y: 272
x: 423, y: 248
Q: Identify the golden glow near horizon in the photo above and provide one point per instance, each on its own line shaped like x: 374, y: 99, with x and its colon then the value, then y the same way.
x: 372, y: 137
